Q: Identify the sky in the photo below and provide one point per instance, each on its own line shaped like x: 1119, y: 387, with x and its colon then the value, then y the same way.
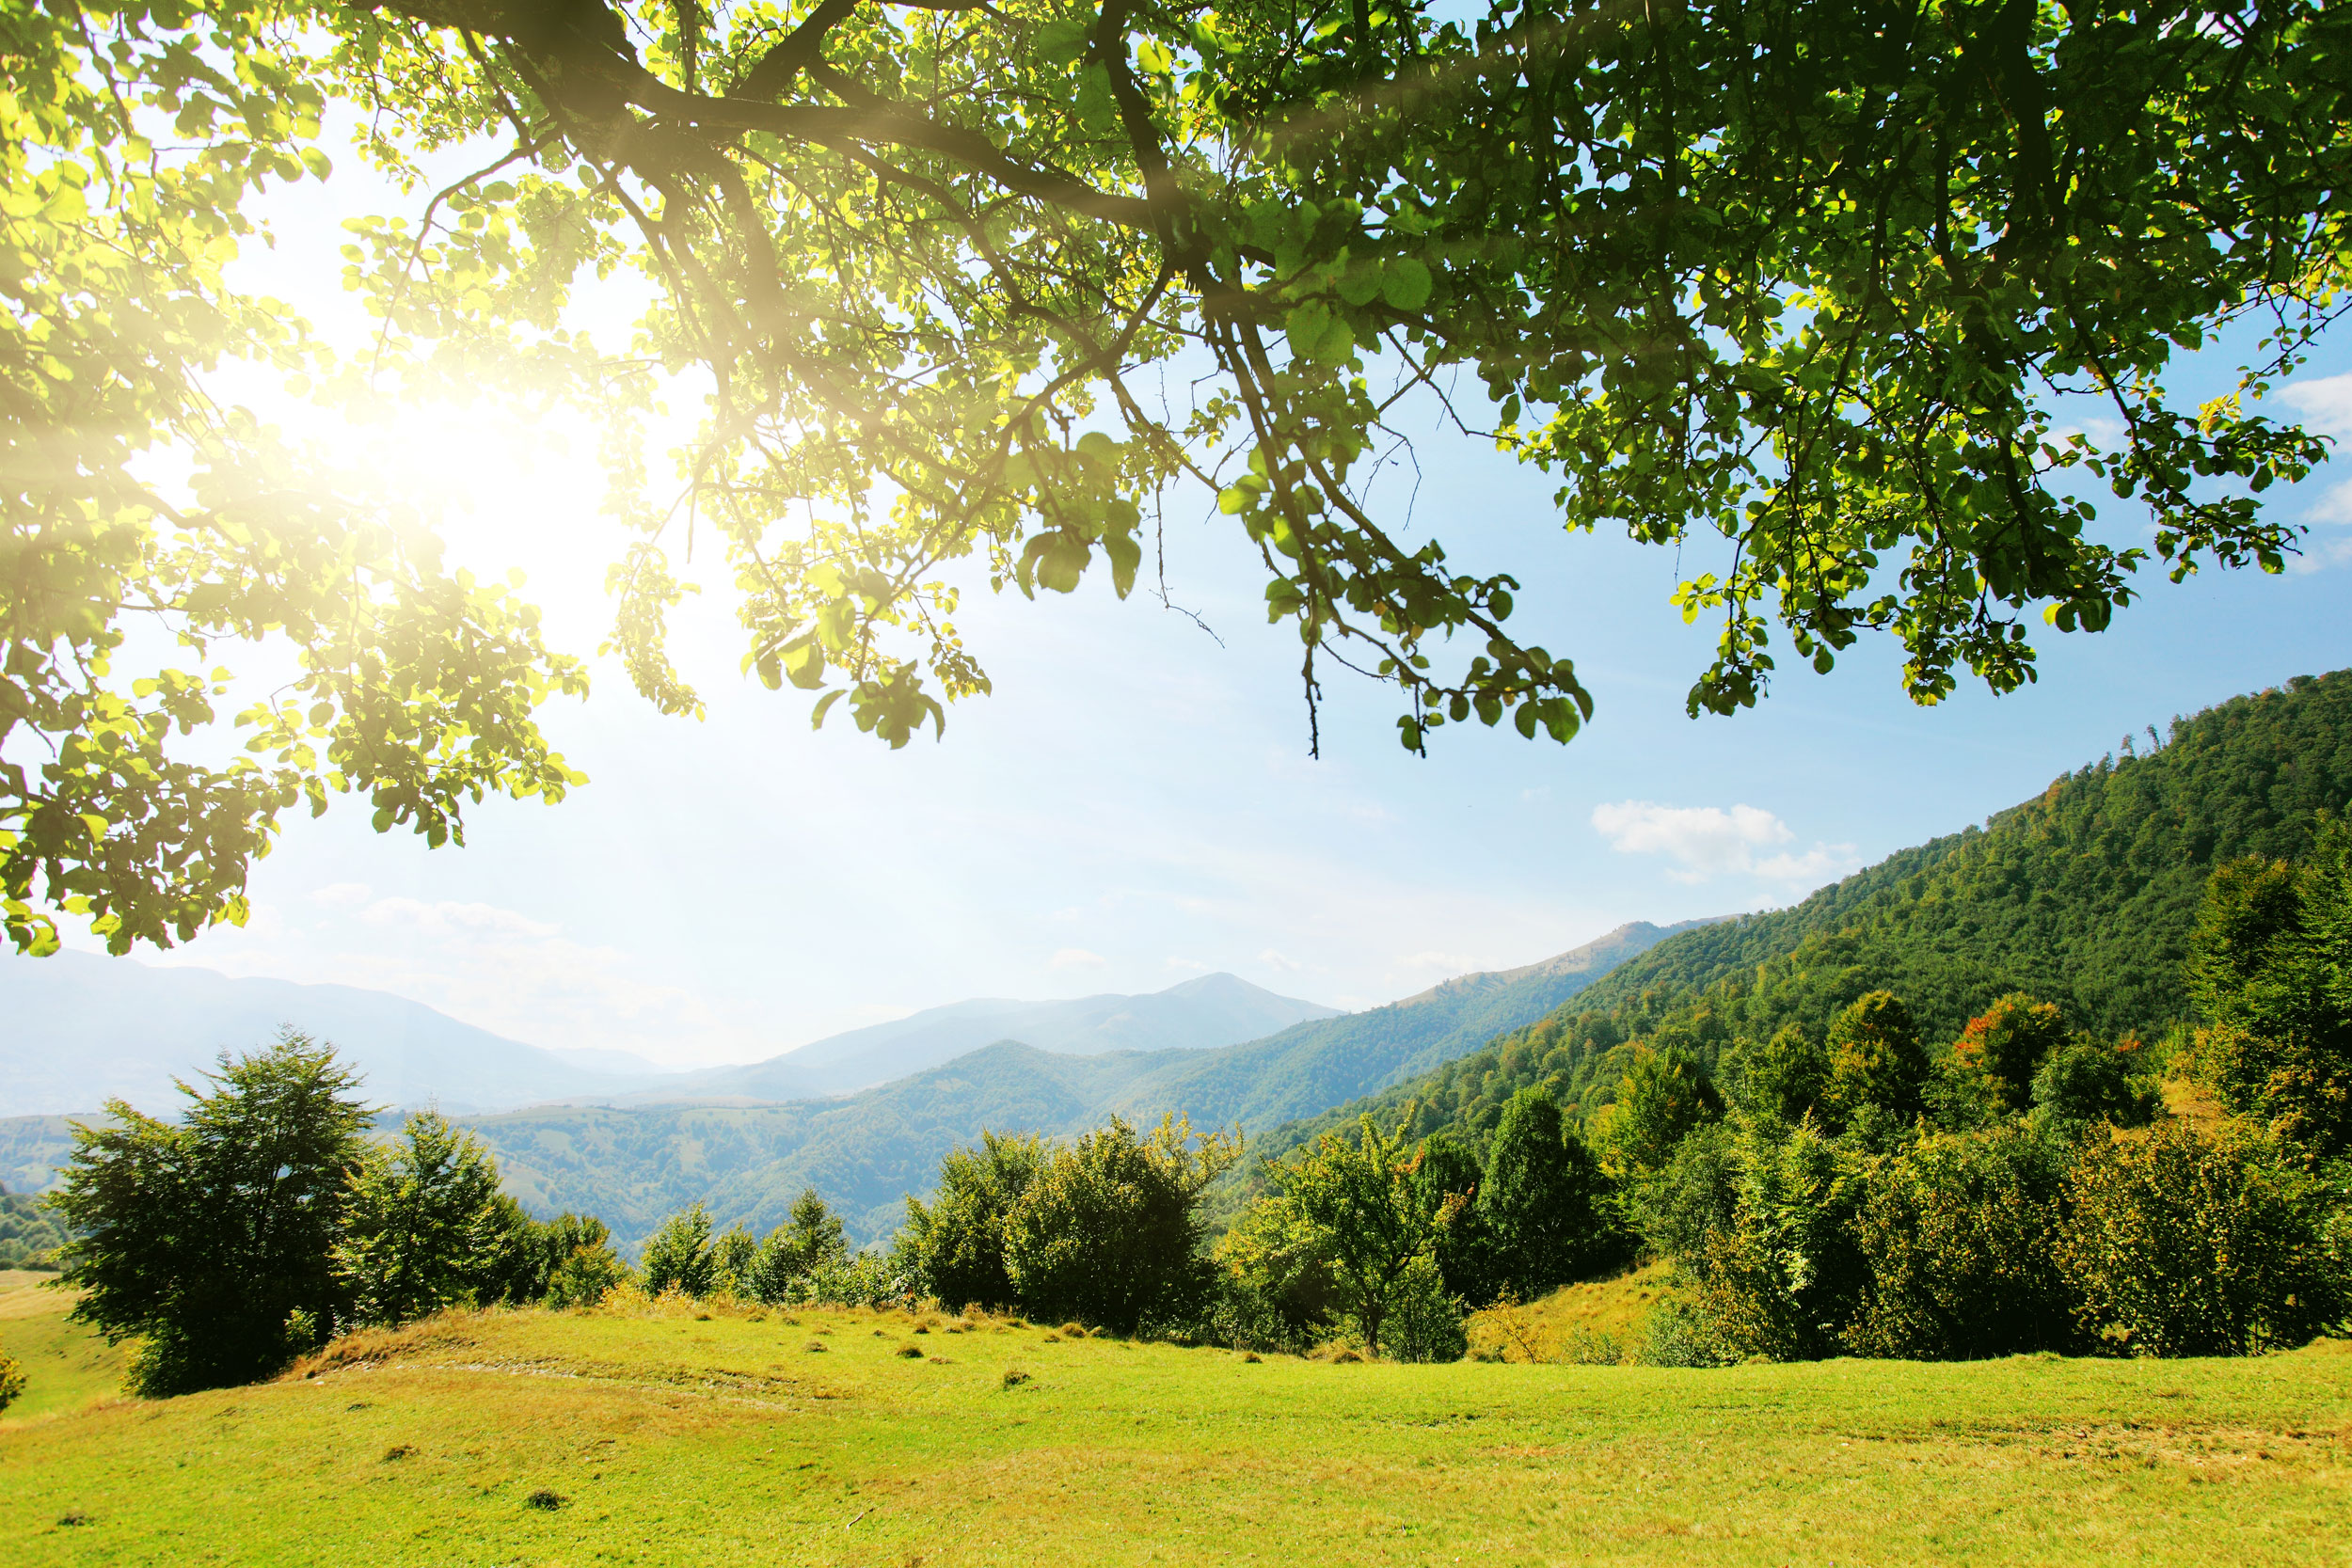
x: 1134, y: 805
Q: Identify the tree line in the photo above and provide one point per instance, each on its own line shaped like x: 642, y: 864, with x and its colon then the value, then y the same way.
x: 1847, y: 1190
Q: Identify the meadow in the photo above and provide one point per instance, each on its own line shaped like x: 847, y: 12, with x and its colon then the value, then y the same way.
x: 670, y: 1434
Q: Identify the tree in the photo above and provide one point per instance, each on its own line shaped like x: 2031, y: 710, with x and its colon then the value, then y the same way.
x: 1448, y: 1184
x: 1811, y: 280
x: 1663, y: 1098
x: 11, y: 1379
x: 2008, y: 1041
x: 1359, y: 1198
x: 679, y: 1256
x: 203, y: 1240
x: 1876, y: 1058
x: 2271, y: 979
x: 953, y: 1247
x: 808, y: 1243
x: 1109, y: 1231
x: 1787, y: 1076
x: 419, y: 1223
x: 1542, y: 1201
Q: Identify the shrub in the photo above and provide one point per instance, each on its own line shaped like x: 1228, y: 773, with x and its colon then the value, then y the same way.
x: 1424, y: 1321
x: 1109, y: 1229
x: 679, y: 1256
x: 809, y: 1243
x: 953, y: 1247
x: 2188, y: 1244
x: 1677, y: 1333
x: 1959, y: 1234
x: 1786, y: 1276
x: 11, y: 1379
x: 587, y: 1274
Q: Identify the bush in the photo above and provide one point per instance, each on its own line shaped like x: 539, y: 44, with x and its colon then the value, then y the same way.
x: 1787, y: 1276
x: 1109, y: 1229
x: 953, y: 1247
x: 1424, y: 1321
x: 810, y: 1243
x: 588, y: 1274
x: 11, y: 1379
x: 2188, y: 1244
x: 679, y: 1256
x: 1678, y: 1334
x: 1959, y: 1234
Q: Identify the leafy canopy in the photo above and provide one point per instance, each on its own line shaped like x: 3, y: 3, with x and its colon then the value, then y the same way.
x: 1822, y: 286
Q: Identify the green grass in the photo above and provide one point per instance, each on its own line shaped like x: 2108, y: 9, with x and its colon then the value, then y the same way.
x: 66, y: 1366
x: 673, y: 1438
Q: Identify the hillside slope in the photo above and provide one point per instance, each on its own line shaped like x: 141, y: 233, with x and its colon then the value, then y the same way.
x: 2085, y: 895
x: 635, y: 1164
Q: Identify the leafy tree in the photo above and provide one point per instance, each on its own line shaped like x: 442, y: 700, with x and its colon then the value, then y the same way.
x: 1359, y: 1198
x: 1788, y: 1274
x: 1424, y: 1318
x: 2008, y: 1041
x: 679, y: 1257
x: 11, y: 1379
x: 1812, y: 280
x: 1876, y: 1058
x: 1787, y: 1076
x: 202, y: 1239
x: 1281, y: 1288
x: 419, y: 1223
x: 1544, y: 1200
x: 953, y: 1247
x: 1448, y: 1184
x: 2086, y: 1081
x: 1662, y: 1098
x: 582, y: 1267
x: 2188, y: 1244
x: 2272, y: 980
x: 1110, y: 1230
x: 809, y: 1244
x: 732, y: 1257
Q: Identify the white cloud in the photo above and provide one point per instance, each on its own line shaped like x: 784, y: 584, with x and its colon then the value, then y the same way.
x: 1278, y: 961
x: 1075, y: 957
x: 2334, y: 510
x: 343, y: 896
x: 1708, y: 841
x: 2324, y: 404
x: 450, y: 918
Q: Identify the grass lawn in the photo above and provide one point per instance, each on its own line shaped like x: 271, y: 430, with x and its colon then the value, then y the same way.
x: 656, y: 1436
x: 66, y: 1366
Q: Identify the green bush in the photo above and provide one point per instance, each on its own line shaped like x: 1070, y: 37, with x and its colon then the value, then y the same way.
x: 2086, y: 1081
x: 1424, y: 1320
x: 1277, y: 1287
x: 2188, y: 1244
x: 11, y: 1379
x: 1787, y: 1276
x: 808, y: 1243
x: 679, y: 1256
x: 1959, y: 1234
x: 1109, y: 1229
x: 953, y: 1247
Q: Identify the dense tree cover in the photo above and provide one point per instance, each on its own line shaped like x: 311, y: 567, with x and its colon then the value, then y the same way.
x: 265, y: 1220
x: 29, y: 1239
x: 1106, y: 1229
x: 2087, y: 897
x: 1813, y: 285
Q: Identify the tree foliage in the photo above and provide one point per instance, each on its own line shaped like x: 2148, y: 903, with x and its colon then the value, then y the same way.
x: 205, y: 1238
x: 1810, y: 286
x: 420, y: 1223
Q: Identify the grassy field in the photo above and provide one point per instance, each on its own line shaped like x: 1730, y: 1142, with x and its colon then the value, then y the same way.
x: 658, y: 1437
x: 66, y: 1366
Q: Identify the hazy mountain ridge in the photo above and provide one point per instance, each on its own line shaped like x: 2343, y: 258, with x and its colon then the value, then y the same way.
x: 634, y: 1165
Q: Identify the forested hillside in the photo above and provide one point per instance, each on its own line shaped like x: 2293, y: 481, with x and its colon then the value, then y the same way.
x: 2083, y: 896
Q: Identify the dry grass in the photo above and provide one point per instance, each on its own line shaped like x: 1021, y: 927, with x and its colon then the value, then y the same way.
x: 668, y: 1438
x: 1573, y: 1324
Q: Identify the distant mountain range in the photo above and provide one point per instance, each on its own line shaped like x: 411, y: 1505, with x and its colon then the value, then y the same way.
x: 643, y: 1146
x: 634, y: 1166
x: 81, y: 1029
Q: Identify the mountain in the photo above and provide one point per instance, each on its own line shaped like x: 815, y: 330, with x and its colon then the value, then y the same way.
x: 1213, y: 1010
x: 2085, y: 895
x: 82, y: 1029
x: 635, y: 1164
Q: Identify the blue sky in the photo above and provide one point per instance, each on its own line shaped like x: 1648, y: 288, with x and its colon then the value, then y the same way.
x: 1136, y: 805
